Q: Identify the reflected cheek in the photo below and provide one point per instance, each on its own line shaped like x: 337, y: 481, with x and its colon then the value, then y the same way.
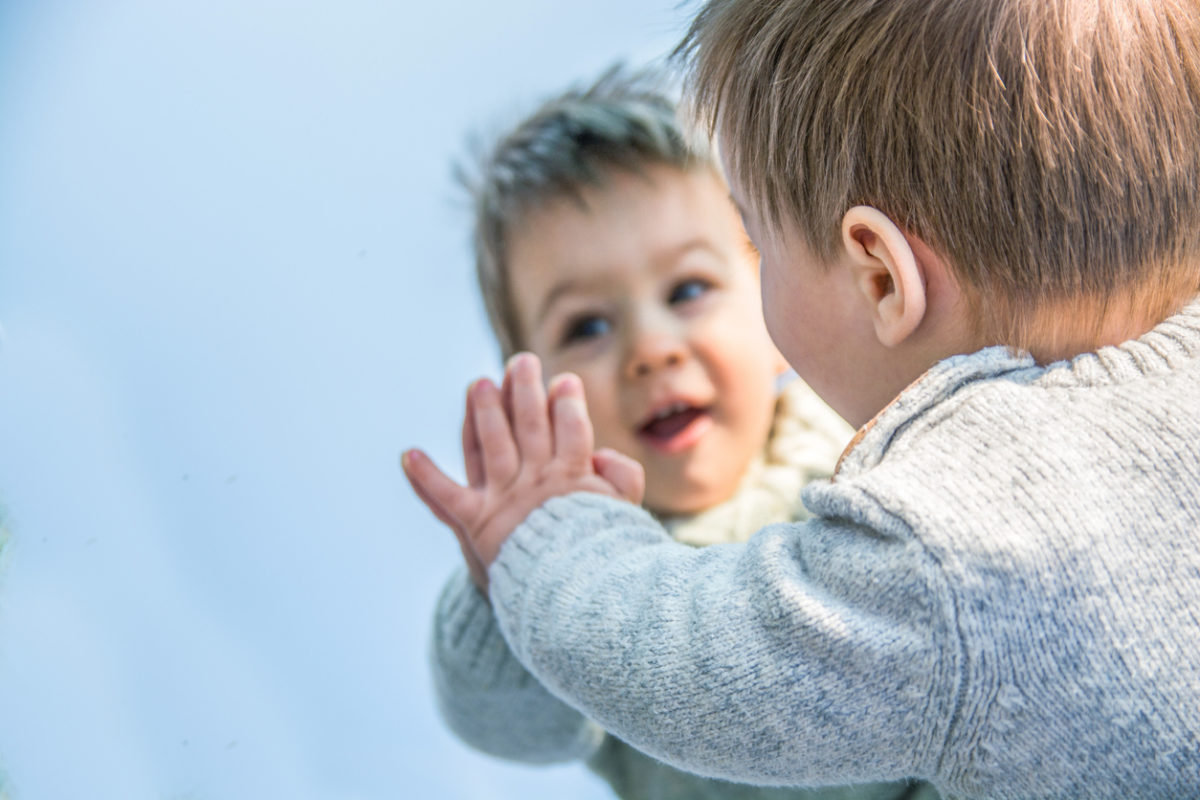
x: 602, y: 409
x: 610, y: 433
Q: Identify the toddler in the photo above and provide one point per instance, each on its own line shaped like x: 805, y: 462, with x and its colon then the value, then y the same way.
x: 980, y: 234
x: 606, y: 243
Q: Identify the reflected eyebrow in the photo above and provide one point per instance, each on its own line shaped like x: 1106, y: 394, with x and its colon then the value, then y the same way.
x: 662, y: 262
x: 563, y: 287
x: 699, y: 243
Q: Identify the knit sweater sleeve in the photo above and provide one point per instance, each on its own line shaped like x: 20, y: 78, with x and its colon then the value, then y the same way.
x: 487, y: 698
x: 817, y: 653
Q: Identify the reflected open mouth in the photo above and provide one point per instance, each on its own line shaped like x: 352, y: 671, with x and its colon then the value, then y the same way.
x: 676, y: 427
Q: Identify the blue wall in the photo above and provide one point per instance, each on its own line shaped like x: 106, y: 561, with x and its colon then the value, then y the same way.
x: 234, y: 284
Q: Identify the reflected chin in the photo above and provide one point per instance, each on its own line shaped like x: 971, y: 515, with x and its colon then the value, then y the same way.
x: 682, y: 501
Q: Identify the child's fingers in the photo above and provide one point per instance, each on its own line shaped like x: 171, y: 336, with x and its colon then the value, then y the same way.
x: 472, y: 453
x: 528, y: 412
x: 572, y: 428
x: 500, y: 457
x: 448, y: 501
x: 422, y: 473
x: 442, y: 514
x: 506, y: 390
x: 624, y: 473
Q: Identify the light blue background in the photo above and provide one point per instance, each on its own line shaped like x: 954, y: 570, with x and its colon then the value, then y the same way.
x: 234, y: 284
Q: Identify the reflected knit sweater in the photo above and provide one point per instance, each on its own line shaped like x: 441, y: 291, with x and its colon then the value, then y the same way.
x: 999, y: 591
x: 492, y: 703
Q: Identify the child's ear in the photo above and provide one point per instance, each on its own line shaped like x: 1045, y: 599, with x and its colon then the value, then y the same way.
x: 886, y: 273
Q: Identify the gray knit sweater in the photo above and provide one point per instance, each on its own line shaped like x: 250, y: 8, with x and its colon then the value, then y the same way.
x: 494, y: 704
x: 999, y: 592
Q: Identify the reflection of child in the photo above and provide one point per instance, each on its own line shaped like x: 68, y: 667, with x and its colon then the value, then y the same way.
x: 607, y: 245
x: 998, y: 588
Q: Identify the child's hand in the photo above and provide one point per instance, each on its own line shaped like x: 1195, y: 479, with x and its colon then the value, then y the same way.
x: 520, y: 448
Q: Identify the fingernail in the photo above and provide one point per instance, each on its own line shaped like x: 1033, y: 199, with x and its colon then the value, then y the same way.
x: 566, y: 386
x: 480, y: 387
x: 406, y: 460
x: 521, y: 362
x: 571, y: 384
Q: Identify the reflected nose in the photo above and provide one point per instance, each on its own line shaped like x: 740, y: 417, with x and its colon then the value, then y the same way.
x: 654, y: 349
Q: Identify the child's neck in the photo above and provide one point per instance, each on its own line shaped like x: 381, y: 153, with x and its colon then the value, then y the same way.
x: 1070, y: 328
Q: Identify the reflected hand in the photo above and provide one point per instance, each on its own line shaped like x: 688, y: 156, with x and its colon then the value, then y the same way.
x: 522, y: 446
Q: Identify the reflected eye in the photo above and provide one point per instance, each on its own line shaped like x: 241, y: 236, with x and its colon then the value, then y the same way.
x: 688, y: 290
x: 581, y: 329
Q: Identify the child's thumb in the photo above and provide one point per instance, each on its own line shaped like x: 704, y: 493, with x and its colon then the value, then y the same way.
x: 622, y: 473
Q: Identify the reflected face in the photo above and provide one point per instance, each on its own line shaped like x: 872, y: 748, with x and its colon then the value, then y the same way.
x: 648, y: 290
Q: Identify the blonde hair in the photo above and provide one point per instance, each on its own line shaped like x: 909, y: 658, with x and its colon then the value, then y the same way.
x: 623, y: 121
x: 1049, y: 149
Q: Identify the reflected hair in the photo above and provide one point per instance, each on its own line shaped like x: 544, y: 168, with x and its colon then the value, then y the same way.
x: 1048, y: 149
x: 624, y: 121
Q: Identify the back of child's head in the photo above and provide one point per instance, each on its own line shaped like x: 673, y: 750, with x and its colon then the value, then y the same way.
x: 1048, y: 149
x: 623, y: 121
